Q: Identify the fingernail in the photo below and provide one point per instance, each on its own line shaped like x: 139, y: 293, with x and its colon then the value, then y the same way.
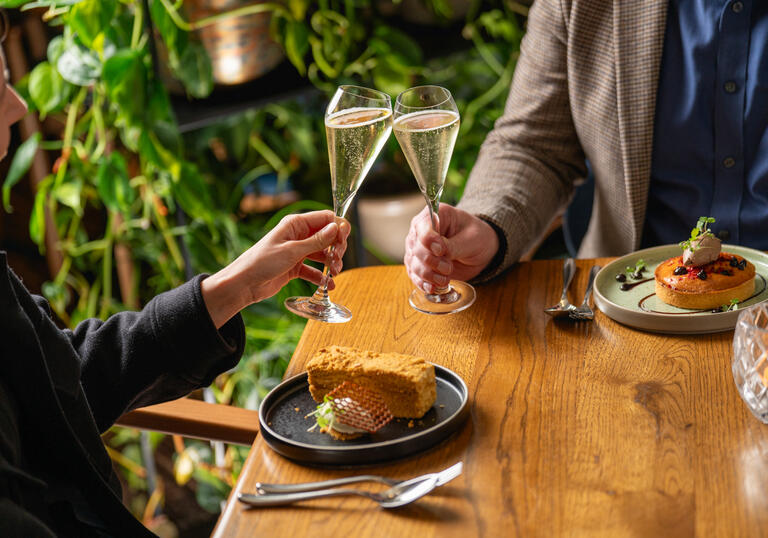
x: 437, y: 249
x: 444, y: 267
x: 330, y: 231
x: 427, y: 287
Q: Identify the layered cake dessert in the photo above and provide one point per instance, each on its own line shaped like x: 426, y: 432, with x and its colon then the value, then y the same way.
x: 703, y: 277
x: 406, y: 383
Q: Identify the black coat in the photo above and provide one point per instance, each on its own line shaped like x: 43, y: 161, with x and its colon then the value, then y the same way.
x: 59, y: 389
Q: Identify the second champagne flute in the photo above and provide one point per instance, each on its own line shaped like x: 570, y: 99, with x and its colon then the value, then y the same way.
x: 358, y: 122
x: 426, y: 126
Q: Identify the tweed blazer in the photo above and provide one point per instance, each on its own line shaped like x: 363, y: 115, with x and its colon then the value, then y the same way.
x: 584, y: 88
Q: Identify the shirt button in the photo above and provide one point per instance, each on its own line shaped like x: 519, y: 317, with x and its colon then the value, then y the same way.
x: 737, y: 7
x: 730, y: 86
x: 729, y: 162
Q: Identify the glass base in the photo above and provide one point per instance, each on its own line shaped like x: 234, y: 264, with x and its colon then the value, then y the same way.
x: 459, y: 297
x: 318, y: 310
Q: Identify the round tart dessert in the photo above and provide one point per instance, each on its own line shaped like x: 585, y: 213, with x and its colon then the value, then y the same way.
x: 706, y: 286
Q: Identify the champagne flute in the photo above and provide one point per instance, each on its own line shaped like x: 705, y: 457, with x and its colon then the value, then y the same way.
x: 357, y: 124
x: 426, y: 126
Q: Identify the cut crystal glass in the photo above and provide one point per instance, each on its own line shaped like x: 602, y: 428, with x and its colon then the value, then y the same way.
x: 750, y: 359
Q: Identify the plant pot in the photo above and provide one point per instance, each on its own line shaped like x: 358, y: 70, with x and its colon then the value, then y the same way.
x: 385, y: 220
x: 240, y: 48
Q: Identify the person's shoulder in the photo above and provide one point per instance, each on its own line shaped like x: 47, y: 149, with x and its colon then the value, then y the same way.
x: 22, y: 295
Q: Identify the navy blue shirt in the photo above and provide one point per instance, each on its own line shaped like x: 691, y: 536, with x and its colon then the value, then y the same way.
x: 710, y: 145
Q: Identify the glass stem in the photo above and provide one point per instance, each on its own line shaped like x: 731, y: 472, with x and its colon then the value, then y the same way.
x: 321, y: 295
x: 434, y: 208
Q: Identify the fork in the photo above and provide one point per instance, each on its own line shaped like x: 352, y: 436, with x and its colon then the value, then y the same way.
x: 403, y: 493
x: 395, y: 497
x: 442, y: 477
x: 584, y: 312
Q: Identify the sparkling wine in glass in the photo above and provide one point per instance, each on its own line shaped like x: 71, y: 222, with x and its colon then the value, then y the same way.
x: 358, y: 122
x: 426, y: 125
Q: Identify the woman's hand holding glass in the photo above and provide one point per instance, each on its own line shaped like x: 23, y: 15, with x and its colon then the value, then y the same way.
x: 358, y: 122
x: 278, y: 257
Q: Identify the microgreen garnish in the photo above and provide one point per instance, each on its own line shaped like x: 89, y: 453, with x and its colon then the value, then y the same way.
x: 733, y: 305
x: 636, y: 272
x: 324, y: 414
x: 701, y: 230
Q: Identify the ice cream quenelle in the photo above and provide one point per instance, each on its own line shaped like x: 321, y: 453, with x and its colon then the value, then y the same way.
x: 702, y: 247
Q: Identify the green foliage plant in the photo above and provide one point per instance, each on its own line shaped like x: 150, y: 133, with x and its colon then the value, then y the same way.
x: 121, y: 178
x: 123, y: 163
x: 120, y: 155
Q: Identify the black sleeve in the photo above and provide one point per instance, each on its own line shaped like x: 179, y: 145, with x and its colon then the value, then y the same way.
x: 498, y: 258
x: 17, y: 521
x: 163, y: 352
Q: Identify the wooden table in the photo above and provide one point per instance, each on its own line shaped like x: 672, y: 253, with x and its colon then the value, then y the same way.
x: 578, y: 429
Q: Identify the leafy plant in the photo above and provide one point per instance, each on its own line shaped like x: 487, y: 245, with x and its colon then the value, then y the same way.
x: 125, y: 178
x: 121, y: 179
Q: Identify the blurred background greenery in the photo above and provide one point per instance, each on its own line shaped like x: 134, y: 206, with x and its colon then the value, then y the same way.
x: 170, y: 155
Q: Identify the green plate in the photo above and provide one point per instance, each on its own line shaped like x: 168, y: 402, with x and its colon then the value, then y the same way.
x: 640, y: 308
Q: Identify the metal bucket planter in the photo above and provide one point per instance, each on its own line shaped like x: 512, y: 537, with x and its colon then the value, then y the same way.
x: 240, y: 48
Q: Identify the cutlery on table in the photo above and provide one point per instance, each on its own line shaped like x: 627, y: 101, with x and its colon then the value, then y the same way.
x: 403, y: 493
x: 442, y: 477
x: 563, y: 308
x: 584, y: 312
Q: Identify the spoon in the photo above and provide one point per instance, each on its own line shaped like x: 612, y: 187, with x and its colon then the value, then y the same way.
x: 584, y: 312
x: 399, y: 495
x: 563, y: 308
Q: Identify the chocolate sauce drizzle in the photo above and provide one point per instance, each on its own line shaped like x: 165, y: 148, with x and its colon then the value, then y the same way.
x: 627, y: 286
x: 641, y: 302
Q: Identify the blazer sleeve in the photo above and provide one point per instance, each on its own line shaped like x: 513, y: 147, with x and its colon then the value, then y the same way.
x: 161, y: 353
x: 525, y: 172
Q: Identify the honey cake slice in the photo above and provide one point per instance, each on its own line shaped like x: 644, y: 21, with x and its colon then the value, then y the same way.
x: 406, y: 383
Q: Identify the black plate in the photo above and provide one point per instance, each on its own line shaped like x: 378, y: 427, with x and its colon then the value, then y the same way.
x: 284, y: 426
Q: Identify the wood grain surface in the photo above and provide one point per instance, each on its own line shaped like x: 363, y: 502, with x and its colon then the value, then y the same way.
x: 577, y: 429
